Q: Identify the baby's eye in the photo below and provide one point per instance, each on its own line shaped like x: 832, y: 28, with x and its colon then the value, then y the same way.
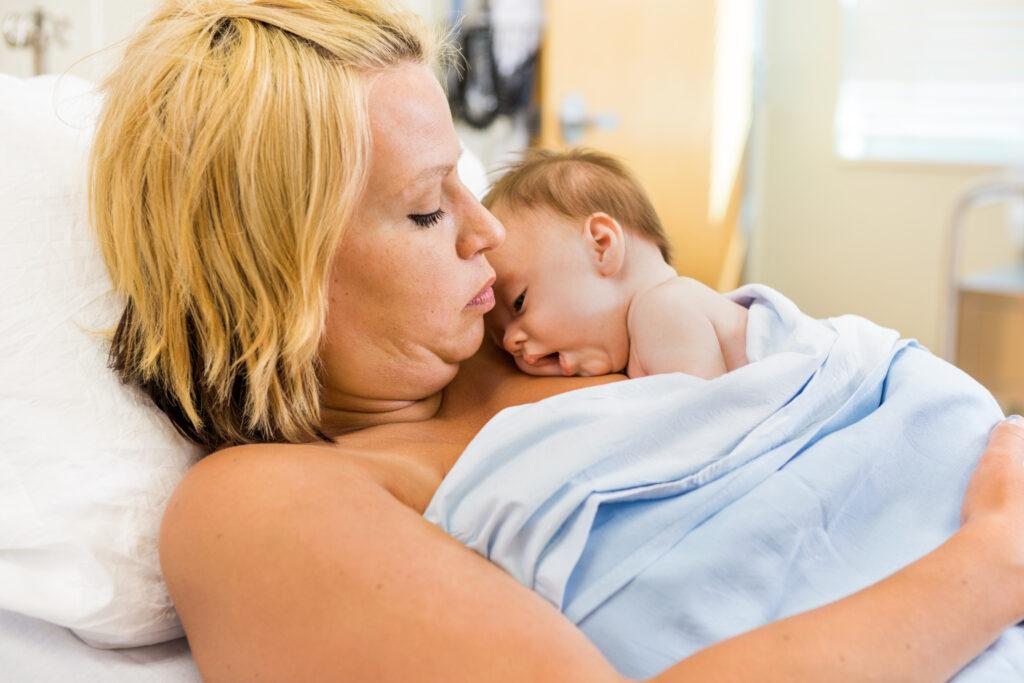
x: 517, y: 305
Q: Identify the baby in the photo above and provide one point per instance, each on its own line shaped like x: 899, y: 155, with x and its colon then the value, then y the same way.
x: 584, y: 283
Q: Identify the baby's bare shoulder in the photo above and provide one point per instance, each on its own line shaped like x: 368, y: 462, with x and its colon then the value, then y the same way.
x: 680, y: 295
x: 681, y: 302
x: 674, y: 303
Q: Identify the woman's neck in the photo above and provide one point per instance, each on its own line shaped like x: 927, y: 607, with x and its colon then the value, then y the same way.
x: 342, y: 417
x: 415, y: 452
x: 477, y: 383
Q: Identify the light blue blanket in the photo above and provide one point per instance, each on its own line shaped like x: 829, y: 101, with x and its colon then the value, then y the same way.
x: 667, y: 513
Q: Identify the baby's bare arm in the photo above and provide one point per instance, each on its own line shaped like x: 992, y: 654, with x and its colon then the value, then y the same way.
x: 670, y: 330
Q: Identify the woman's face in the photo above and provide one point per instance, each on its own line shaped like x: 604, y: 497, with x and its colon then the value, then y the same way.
x: 410, y: 282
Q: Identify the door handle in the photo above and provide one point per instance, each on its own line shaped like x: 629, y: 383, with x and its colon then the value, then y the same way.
x: 574, y: 120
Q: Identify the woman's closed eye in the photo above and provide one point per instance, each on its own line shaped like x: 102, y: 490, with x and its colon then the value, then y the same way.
x: 425, y: 220
x: 517, y: 305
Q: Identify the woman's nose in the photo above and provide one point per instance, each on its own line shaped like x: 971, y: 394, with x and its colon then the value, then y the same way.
x: 479, y: 231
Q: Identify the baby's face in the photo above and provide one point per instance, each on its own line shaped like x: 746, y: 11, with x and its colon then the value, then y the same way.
x: 553, y: 310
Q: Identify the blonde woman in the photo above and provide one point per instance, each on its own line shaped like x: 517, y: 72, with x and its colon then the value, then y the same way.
x: 275, y: 189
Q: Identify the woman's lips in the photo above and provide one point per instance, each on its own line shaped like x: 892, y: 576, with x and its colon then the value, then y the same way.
x: 484, y: 300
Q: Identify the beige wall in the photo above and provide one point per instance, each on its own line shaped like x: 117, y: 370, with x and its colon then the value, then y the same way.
x: 846, y: 237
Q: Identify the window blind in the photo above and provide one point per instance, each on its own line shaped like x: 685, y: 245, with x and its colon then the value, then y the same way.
x: 933, y: 81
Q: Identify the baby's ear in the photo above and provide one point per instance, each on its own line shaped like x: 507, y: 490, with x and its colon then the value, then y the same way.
x: 604, y: 236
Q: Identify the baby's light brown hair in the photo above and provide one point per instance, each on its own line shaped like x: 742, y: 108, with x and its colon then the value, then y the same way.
x: 577, y: 183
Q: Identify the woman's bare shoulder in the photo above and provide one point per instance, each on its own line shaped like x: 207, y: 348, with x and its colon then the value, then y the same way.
x: 242, y: 490
x: 239, y: 542
x: 259, y: 470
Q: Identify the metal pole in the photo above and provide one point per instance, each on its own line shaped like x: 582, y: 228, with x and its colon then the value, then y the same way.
x: 990, y: 191
x: 36, y: 30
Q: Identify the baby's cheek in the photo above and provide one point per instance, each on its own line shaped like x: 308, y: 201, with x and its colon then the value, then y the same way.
x: 551, y: 334
x: 618, y: 351
x: 620, y: 362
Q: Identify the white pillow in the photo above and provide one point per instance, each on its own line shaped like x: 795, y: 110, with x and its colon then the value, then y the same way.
x: 472, y: 174
x: 86, y: 463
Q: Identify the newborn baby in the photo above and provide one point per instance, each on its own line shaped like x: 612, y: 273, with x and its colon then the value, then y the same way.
x: 584, y: 283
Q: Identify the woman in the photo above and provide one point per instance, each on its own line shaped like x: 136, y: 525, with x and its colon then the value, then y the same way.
x: 275, y: 190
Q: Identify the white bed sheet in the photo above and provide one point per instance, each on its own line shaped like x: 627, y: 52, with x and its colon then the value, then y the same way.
x: 37, y: 651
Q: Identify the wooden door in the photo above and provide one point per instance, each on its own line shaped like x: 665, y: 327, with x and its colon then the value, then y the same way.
x: 674, y: 76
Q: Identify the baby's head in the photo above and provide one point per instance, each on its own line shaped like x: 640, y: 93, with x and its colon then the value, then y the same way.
x: 580, y: 230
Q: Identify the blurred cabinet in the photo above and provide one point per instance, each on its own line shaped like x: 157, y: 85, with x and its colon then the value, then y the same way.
x: 985, y: 325
x: 990, y: 335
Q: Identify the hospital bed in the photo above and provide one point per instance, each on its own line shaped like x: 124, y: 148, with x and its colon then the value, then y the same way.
x: 36, y: 651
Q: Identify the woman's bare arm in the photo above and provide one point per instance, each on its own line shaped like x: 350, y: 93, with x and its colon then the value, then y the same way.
x: 291, y: 565
x: 303, y: 568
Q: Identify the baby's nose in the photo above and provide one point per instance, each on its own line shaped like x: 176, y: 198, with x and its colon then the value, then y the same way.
x: 514, y: 338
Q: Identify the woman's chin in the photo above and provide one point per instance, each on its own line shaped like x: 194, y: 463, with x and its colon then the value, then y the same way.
x: 437, y: 379
x: 465, y: 345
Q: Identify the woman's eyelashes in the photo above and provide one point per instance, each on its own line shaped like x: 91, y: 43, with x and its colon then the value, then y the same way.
x: 425, y: 220
x: 517, y: 305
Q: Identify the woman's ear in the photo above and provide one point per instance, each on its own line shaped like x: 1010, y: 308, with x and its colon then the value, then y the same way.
x: 605, y: 238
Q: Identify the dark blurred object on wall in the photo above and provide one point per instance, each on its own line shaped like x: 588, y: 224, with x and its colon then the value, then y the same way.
x: 498, y: 41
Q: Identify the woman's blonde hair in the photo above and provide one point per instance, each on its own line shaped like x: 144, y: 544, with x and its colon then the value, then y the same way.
x: 231, y: 149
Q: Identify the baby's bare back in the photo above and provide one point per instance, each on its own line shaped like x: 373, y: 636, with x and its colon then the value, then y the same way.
x: 682, y: 325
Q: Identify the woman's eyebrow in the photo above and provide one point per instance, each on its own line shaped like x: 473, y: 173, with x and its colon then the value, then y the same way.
x: 411, y: 187
x: 434, y: 171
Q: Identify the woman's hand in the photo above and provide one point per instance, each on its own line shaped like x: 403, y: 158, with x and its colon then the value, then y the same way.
x: 994, y: 502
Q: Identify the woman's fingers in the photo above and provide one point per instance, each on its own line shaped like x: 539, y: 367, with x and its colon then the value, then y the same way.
x: 996, y: 489
x: 1008, y: 436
